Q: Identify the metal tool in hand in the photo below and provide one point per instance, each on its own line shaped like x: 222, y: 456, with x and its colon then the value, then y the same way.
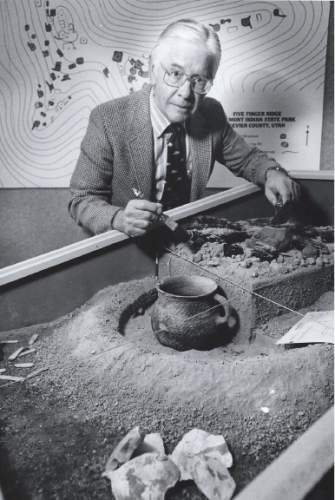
x: 279, y: 203
x: 284, y: 212
x: 138, y: 194
x: 179, y: 233
x: 163, y: 218
x: 278, y: 207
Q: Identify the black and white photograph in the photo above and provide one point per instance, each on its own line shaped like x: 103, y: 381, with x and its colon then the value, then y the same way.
x: 167, y: 250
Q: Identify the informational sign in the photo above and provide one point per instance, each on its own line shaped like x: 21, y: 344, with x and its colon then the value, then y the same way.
x: 58, y: 60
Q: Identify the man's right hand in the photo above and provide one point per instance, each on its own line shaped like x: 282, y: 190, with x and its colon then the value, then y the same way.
x: 138, y: 217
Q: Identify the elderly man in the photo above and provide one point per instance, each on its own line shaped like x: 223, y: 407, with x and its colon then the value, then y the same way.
x: 155, y: 149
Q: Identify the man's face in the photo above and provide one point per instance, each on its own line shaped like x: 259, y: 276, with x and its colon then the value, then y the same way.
x: 193, y: 58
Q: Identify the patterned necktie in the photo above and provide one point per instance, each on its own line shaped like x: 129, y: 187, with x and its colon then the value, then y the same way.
x: 177, y: 183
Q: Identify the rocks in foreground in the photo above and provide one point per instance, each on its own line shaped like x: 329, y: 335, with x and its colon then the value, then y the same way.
x: 199, y: 456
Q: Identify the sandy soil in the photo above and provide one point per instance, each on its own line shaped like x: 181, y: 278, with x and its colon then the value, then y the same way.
x: 58, y: 429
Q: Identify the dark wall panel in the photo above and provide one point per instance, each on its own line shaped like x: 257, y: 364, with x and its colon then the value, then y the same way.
x: 57, y: 291
x: 34, y: 221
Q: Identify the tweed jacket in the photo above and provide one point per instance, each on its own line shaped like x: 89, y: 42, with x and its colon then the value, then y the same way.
x: 117, y: 155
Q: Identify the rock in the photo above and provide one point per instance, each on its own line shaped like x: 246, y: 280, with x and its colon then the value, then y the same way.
x: 255, y: 259
x: 310, y: 261
x: 248, y: 252
x: 310, y: 251
x: 275, y: 238
x: 197, y: 257
x: 263, y: 267
x: 219, y: 251
x: 198, y: 442
x: 325, y: 250
x: 124, y: 450
x: 152, y: 443
x: 212, y: 477
x: 248, y: 263
x: 214, y: 262
x: 147, y: 477
x: 274, y: 267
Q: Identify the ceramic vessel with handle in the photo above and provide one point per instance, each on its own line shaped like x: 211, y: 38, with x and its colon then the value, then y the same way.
x: 190, y: 313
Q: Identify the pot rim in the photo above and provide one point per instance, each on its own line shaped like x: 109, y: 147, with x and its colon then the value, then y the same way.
x: 189, y: 279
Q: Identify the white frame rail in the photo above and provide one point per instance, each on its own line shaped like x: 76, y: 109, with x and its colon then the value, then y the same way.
x: 29, y: 267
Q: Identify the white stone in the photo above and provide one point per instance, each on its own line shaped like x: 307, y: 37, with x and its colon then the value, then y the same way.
x: 124, y: 450
x: 147, y: 477
x: 152, y: 443
x: 198, y: 442
x: 212, y: 477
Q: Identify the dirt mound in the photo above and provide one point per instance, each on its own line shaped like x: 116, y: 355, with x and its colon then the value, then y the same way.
x: 100, y: 384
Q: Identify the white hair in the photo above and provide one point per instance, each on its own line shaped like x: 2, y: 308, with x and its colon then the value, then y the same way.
x: 191, y: 30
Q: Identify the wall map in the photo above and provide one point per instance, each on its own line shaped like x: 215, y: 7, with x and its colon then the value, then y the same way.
x: 60, y: 58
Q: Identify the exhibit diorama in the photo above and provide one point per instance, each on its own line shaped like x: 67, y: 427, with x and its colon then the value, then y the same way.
x: 196, y: 361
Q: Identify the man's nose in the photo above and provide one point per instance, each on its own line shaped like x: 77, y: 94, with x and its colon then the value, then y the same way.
x: 185, y: 90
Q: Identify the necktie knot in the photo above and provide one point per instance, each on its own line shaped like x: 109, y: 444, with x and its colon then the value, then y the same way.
x: 174, y: 129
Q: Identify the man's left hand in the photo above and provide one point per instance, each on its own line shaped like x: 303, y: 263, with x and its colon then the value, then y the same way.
x: 279, y: 187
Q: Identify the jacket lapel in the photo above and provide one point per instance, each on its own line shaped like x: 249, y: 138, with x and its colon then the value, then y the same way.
x: 201, y: 151
x: 141, y: 148
x: 140, y: 144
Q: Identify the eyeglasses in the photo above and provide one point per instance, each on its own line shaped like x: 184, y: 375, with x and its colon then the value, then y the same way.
x: 177, y: 78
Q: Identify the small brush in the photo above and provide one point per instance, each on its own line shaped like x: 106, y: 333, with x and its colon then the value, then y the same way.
x: 180, y: 233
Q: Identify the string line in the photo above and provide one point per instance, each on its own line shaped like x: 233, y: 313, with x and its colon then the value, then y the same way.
x: 251, y: 292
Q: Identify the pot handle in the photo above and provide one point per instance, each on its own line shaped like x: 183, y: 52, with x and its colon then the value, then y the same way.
x: 225, y: 304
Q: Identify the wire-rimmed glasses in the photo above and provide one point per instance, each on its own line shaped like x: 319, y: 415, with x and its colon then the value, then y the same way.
x: 177, y: 78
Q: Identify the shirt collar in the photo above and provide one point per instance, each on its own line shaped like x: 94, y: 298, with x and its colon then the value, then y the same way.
x: 158, y: 120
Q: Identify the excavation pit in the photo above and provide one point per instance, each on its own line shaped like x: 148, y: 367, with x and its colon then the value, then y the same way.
x: 105, y: 372
x: 99, y: 384
x: 135, y: 325
x: 263, y: 268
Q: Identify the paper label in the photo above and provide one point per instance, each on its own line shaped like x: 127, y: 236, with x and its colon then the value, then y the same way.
x: 314, y: 327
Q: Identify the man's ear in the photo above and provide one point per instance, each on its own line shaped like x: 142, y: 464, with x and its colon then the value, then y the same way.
x: 152, y: 71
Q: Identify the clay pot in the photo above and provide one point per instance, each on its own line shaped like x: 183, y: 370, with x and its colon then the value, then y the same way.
x: 190, y: 313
